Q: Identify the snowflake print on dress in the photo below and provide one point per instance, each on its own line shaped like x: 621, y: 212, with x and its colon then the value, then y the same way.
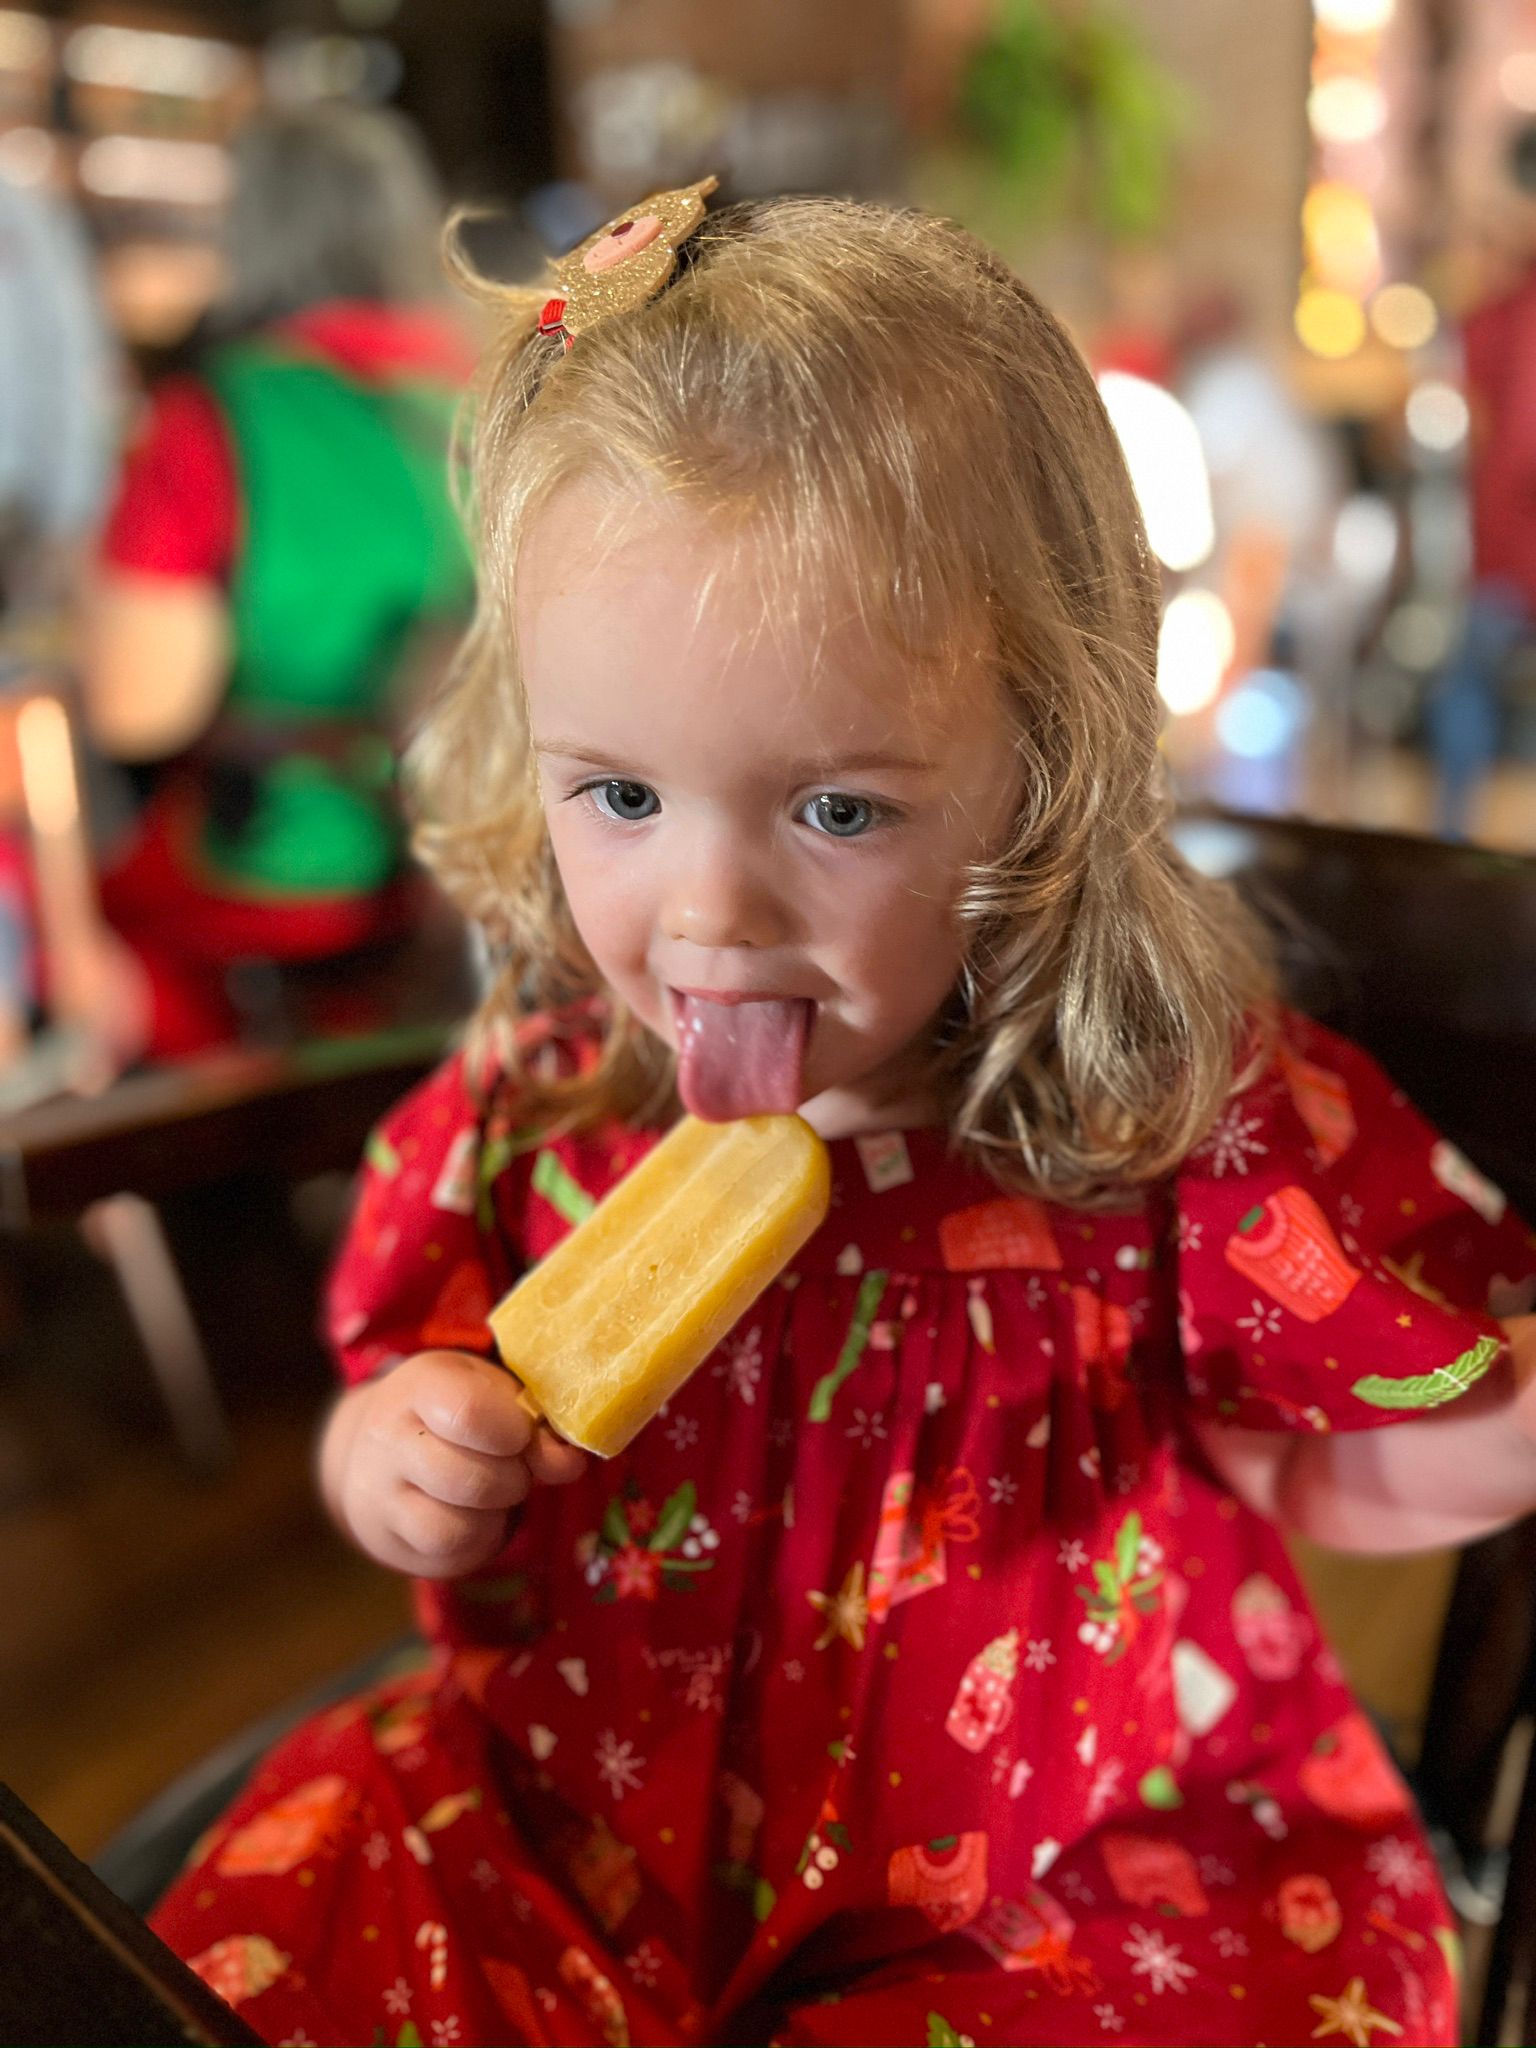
x: 644, y: 1964
x: 1157, y: 1959
x: 740, y: 1365
x: 620, y: 1769
x: 1230, y: 1143
x: 1108, y: 2019
x: 868, y: 1429
x: 1260, y: 1322
x: 682, y: 1432
x: 1399, y: 1865
x: 1038, y: 1655
x: 1124, y: 1593
x: 1003, y: 1491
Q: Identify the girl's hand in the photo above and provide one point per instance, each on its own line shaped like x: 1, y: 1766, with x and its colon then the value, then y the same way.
x: 422, y: 1466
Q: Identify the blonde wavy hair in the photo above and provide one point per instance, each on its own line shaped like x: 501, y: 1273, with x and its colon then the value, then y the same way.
x: 891, y: 413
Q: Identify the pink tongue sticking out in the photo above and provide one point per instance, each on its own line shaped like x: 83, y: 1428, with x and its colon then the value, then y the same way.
x: 740, y: 1059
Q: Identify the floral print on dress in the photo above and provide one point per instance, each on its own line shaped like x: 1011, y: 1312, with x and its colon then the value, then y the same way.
x: 911, y: 1641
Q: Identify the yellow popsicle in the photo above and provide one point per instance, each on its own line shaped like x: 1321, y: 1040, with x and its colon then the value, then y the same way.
x: 611, y: 1323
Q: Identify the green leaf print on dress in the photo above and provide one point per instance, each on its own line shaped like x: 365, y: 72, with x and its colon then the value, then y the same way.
x: 640, y: 1549
x: 1124, y: 1592
x: 1430, y: 1389
x: 824, y: 1393
x: 567, y: 1197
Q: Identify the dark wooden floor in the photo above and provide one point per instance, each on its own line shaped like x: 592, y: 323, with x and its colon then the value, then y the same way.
x: 146, y: 1615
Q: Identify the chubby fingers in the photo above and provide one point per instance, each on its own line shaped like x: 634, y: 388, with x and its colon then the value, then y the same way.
x: 551, y: 1460
x: 471, y: 1404
x: 459, y: 1477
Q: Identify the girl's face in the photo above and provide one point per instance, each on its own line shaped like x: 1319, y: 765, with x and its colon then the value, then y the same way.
x: 752, y: 809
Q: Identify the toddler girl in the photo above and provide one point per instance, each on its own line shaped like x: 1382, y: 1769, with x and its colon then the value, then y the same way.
x: 932, y: 1669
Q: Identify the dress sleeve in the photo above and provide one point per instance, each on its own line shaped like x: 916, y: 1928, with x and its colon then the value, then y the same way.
x: 422, y: 1262
x: 1341, y: 1265
x: 176, y: 512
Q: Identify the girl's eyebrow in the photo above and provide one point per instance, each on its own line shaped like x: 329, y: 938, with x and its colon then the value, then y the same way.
x: 827, y: 768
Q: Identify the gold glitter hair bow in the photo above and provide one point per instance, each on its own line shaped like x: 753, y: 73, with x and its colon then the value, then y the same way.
x: 624, y: 264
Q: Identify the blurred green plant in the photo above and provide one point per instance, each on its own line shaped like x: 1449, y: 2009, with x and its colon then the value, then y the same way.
x: 1071, y: 116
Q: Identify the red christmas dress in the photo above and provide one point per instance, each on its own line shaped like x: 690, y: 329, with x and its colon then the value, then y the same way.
x: 910, y: 1679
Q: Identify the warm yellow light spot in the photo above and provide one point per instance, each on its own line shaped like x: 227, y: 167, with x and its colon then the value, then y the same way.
x: 895, y: 1779
x: 1194, y: 1567
x: 1405, y: 1322
x: 306, y: 1877
x: 1329, y: 323
x: 370, y: 1934
x: 668, y: 1835
x: 892, y: 1651
x: 1079, y: 1706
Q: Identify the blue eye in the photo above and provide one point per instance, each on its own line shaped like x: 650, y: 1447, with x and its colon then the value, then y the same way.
x: 628, y: 803
x: 839, y: 816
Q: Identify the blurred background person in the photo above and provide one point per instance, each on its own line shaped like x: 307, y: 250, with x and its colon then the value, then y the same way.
x: 281, y: 562
x: 57, y: 391
x: 1465, y: 712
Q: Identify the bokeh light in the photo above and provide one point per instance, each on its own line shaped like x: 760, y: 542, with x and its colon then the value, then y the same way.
x: 1437, y: 416
x: 1347, y: 109
x: 1193, y: 649
x: 1343, y: 247
x: 1404, y: 315
x: 1167, y: 465
x: 1329, y: 323
x: 1365, y: 539
x: 1354, y: 17
x: 1262, y: 716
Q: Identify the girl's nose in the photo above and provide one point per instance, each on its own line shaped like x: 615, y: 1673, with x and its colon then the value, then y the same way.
x: 717, y: 901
